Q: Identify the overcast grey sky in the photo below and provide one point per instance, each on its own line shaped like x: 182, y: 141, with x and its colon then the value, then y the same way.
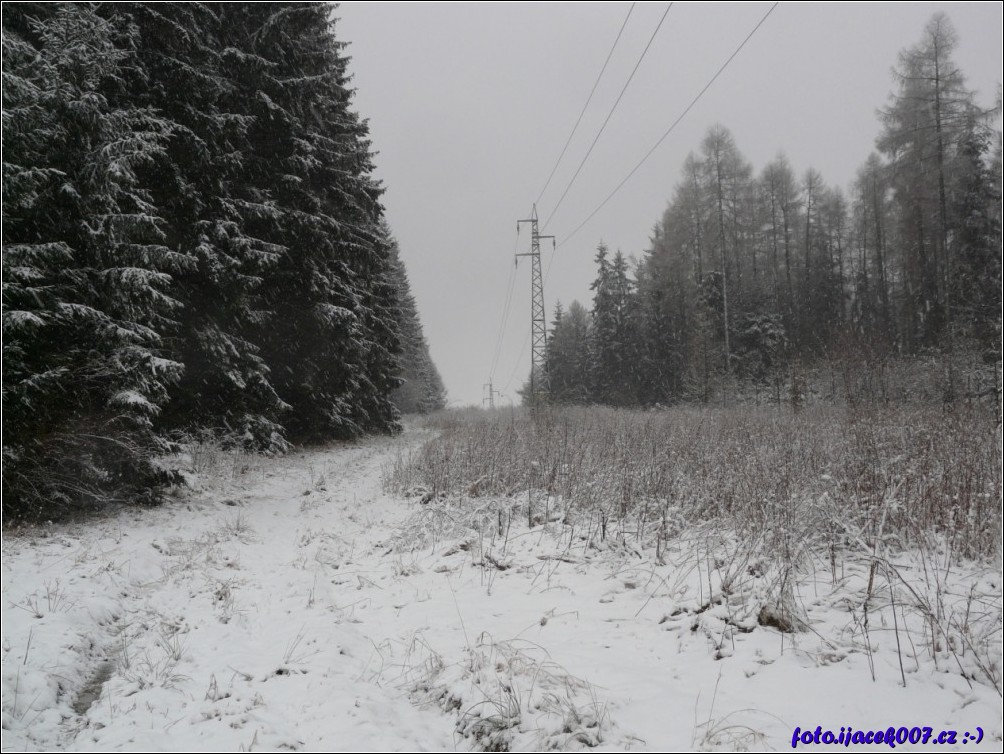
x: 470, y: 104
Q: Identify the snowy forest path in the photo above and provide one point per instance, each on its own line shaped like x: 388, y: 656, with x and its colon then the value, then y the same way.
x: 219, y: 620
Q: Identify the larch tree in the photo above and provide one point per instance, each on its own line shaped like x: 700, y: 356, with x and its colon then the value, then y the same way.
x: 923, y: 129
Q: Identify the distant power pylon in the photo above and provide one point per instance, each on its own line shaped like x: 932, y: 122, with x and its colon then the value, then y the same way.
x: 539, y: 383
x: 492, y: 392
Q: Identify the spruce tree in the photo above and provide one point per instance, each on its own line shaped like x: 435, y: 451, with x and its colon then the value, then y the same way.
x: 86, y: 270
x: 331, y: 340
x: 421, y: 390
x: 614, y: 341
x: 665, y: 302
x: 568, y: 355
x: 212, y: 206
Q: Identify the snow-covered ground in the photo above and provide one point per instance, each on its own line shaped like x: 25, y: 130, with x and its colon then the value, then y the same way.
x: 291, y: 603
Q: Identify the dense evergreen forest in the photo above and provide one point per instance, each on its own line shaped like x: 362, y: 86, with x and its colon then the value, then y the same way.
x: 753, y: 282
x: 193, y: 242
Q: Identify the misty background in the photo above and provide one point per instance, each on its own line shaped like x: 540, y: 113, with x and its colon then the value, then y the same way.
x: 469, y: 107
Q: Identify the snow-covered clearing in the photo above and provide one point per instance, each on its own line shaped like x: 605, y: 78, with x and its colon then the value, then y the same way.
x: 292, y: 604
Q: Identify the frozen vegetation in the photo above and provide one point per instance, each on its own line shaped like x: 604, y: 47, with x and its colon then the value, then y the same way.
x: 585, y: 578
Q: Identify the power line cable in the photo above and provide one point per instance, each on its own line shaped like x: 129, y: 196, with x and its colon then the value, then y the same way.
x: 554, y: 169
x: 522, y: 350
x: 645, y: 158
x: 609, y: 115
x: 502, y: 324
x: 506, y: 307
x: 669, y: 130
x: 588, y: 100
x: 547, y: 183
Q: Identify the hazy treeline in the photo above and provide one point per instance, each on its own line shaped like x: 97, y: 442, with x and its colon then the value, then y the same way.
x: 752, y: 278
x: 192, y: 241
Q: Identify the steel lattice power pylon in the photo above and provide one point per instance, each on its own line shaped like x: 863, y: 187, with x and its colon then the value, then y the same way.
x: 539, y: 385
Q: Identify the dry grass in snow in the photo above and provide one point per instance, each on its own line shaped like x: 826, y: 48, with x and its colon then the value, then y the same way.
x: 579, y: 579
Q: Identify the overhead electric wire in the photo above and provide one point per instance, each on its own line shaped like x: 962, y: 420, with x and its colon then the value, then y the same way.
x: 568, y: 141
x: 669, y: 130
x: 609, y: 115
x: 502, y: 325
x: 588, y: 100
x: 505, y: 311
x: 635, y: 169
x: 522, y: 350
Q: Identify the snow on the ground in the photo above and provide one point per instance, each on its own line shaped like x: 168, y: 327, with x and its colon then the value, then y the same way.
x: 292, y: 604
